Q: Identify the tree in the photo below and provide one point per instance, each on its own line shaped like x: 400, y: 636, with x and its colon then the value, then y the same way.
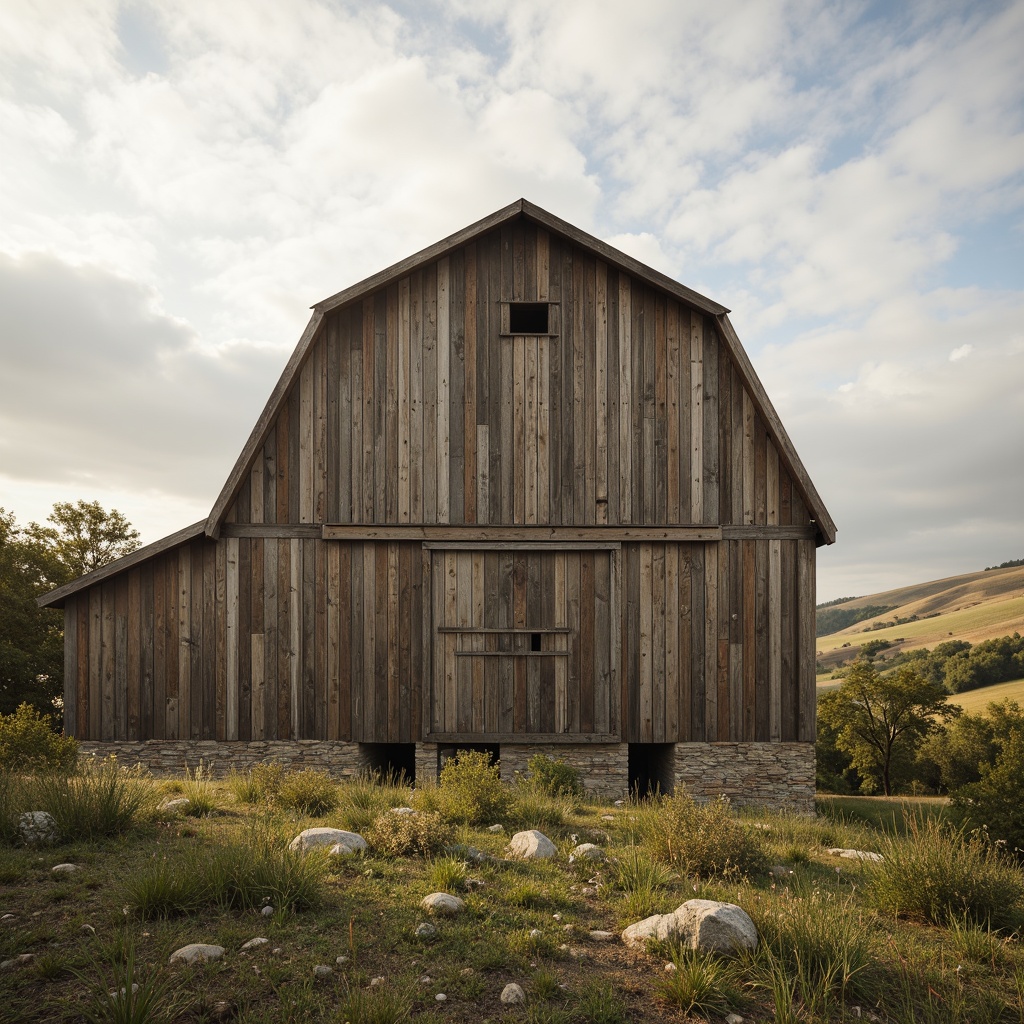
x: 994, y: 800
x: 880, y: 720
x: 36, y: 559
x: 84, y: 536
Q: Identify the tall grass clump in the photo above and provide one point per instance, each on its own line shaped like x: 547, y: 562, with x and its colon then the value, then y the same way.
x: 703, y: 840
x: 642, y: 879
x: 28, y: 743
x: 104, y: 799
x: 197, y: 787
x: 230, y: 877
x: 702, y: 984
x: 310, y: 791
x: 822, y: 941
x: 533, y: 806
x: 471, y: 791
x: 940, y: 873
x: 258, y: 785
x: 401, y: 835
x: 123, y: 995
x: 379, y: 1005
x: 11, y: 805
x: 369, y: 794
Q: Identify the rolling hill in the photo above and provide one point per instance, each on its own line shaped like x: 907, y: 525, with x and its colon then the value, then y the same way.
x: 974, y: 607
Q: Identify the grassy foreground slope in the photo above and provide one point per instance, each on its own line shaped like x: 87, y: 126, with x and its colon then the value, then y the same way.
x: 974, y: 607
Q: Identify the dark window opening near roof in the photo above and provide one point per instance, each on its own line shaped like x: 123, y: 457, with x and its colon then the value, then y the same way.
x: 528, y: 317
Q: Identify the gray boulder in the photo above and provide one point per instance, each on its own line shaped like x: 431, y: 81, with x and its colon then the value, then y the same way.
x: 586, y: 851
x: 531, y: 845
x: 512, y: 994
x: 311, y: 838
x: 37, y: 827
x: 196, y: 953
x: 855, y: 854
x: 442, y: 903
x: 704, y: 925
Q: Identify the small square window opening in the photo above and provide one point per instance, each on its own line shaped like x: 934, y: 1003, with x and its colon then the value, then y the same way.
x: 528, y: 317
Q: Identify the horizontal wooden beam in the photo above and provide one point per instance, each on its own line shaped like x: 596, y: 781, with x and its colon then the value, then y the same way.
x: 522, y: 737
x: 523, y: 536
x: 511, y: 654
x: 501, y: 629
x: 290, y: 531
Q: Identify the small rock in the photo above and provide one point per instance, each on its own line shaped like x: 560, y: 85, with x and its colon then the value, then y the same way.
x: 339, y: 960
x: 222, y: 1010
x: 495, y: 828
x: 670, y: 968
x: 8, y: 917
x: 405, y: 811
x: 512, y: 994
x: 607, y: 817
x: 440, y: 997
x: 276, y: 950
x: 116, y: 993
x: 620, y: 803
x: 557, y: 917
x: 442, y: 903
x: 466, y: 972
x: 531, y: 845
x: 375, y: 982
x: 734, y: 1018
x: 567, y: 927
x: 425, y: 930
x: 426, y: 979
x: 855, y: 854
x: 322, y: 971
x: 256, y: 943
x: 600, y: 936
x: 37, y: 827
x: 197, y: 952
x: 311, y: 838
x: 64, y: 869
x: 87, y: 929
x: 17, y: 961
x: 267, y: 911
x: 586, y: 851
x: 180, y: 804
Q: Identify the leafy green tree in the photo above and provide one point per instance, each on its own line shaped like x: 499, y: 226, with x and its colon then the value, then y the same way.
x: 880, y: 720
x: 84, y: 536
x: 36, y: 559
x: 994, y: 801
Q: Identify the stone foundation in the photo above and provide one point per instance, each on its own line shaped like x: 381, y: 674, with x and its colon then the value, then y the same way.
x: 426, y: 763
x: 603, y: 767
x: 775, y: 775
x: 170, y: 757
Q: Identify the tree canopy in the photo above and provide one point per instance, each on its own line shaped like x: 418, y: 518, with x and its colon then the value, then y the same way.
x: 80, y: 537
x: 880, y: 720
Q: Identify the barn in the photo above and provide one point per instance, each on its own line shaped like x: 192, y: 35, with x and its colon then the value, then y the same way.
x: 517, y: 492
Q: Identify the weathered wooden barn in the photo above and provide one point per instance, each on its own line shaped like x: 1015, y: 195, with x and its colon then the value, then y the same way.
x: 517, y: 491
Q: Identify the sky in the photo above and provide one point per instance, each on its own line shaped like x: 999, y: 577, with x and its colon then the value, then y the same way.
x: 180, y: 181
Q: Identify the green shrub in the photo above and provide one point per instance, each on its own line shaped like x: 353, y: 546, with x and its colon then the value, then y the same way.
x: 310, y: 791
x: 554, y: 776
x: 471, y: 791
x: 940, y: 873
x: 28, y: 743
x: 701, y: 839
x: 994, y: 802
x: 362, y: 798
x: 104, y: 799
x: 259, y: 783
x: 402, y: 835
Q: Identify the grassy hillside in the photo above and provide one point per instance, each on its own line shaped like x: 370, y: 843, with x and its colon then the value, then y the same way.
x: 976, y: 701
x: 975, y: 607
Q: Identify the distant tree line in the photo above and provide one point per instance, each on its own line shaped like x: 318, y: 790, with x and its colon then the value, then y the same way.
x: 77, y: 538
x: 1005, y: 565
x: 831, y: 620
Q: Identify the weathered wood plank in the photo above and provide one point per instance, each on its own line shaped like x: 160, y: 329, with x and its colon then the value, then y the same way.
x: 443, y: 385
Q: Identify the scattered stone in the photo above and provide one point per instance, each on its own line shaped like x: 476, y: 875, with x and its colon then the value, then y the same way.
x: 197, y: 952
x: 322, y: 971
x: 222, y: 1010
x: 600, y: 936
x: 470, y: 854
x: 174, y: 806
x: 426, y: 979
x: 267, y: 911
x: 64, y: 869
x: 256, y: 943
x: 670, y: 968
x: 855, y: 854
x: 405, y: 811
x: 330, y: 837
x: 425, y: 930
x: 87, y: 929
x: 531, y: 845
x: 375, y: 982
x: 341, y: 960
x: 620, y: 803
x: 495, y: 828
x: 8, y: 917
x: 607, y: 817
x: 734, y: 1018
x: 37, y: 827
x: 586, y: 851
x: 116, y: 993
x: 440, y: 997
x: 17, y: 961
x: 780, y: 871
x: 442, y: 903
x: 557, y: 917
x: 705, y: 925
x: 512, y: 994
x: 276, y: 950
x: 567, y: 927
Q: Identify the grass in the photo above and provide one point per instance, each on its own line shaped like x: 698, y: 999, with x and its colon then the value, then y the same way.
x: 976, y: 702
x: 829, y: 943
x: 885, y: 813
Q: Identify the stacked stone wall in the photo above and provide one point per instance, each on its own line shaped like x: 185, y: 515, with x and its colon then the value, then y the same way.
x: 603, y: 767
x: 170, y: 757
x: 775, y: 775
